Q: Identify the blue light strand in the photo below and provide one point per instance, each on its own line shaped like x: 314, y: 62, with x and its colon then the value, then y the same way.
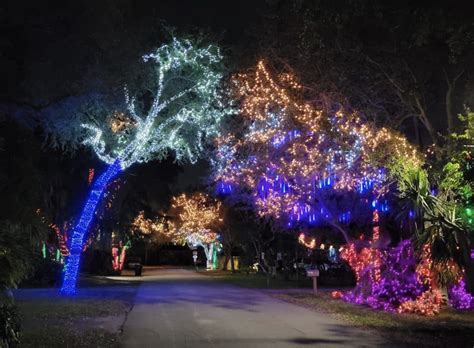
x: 344, y: 218
x: 273, y: 182
x: 72, y: 265
x: 224, y: 188
x: 280, y: 140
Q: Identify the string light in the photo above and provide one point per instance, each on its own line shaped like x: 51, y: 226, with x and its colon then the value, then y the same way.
x: 90, y: 176
x: 302, y: 241
x: 62, y: 240
x: 368, y: 260
x: 118, y: 256
x: 61, y: 237
x: 77, y: 238
x: 43, y: 250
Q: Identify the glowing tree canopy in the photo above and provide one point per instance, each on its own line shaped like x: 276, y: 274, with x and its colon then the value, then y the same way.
x: 196, y: 214
x: 195, y: 220
x: 285, y: 155
x: 183, y: 114
x: 147, y: 226
x: 185, y: 111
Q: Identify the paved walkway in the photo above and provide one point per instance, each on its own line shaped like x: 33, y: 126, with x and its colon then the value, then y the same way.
x: 180, y: 308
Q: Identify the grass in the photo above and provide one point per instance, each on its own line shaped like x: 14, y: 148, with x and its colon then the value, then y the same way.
x: 64, y: 336
x: 67, y: 309
x: 450, y: 327
x: 257, y: 281
x: 92, y: 318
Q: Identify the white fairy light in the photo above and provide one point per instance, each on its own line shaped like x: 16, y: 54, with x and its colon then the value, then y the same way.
x: 160, y: 130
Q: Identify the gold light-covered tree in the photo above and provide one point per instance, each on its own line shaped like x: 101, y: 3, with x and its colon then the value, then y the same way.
x: 193, y: 220
x: 197, y: 219
x: 197, y: 213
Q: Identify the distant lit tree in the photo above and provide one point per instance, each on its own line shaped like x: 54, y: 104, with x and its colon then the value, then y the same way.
x: 192, y: 220
x: 197, y: 219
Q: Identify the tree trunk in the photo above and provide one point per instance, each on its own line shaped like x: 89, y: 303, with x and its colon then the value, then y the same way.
x: 146, y: 254
x: 232, y: 266
x: 296, y: 264
x: 80, y: 230
x: 209, y: 252
x: 449, y: 109
x: 227, y: 256
x: 449, y: 105
x: 426, y: 121
x: 340, y: 229
x: 417, y: 132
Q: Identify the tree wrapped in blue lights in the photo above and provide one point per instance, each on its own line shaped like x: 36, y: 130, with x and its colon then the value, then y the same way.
x: 183, y: 114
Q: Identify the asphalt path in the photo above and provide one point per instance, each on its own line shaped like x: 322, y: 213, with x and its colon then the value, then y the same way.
x: 180, y: 308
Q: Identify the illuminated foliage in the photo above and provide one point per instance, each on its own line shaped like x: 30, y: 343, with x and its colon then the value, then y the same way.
x: 287, y: 156
x: 440, y: 225
x: 193, y: 220
x: 404, y: 284
x: 185, y: 111
x: 386, y: 281
x: 459, y: 298
x: 197, y: 216
x: 146, y: 226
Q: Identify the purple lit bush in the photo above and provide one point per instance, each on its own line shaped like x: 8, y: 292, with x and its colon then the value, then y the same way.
x: 459, y: 298
x: 390, y: 283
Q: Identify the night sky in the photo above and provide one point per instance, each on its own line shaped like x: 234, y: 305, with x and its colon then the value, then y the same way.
x: 52, y: 51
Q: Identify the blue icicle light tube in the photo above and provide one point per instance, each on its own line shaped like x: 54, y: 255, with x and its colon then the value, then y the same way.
x: 79, y: 233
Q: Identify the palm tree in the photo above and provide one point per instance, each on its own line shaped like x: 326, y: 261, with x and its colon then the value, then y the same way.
x: 436, y: 223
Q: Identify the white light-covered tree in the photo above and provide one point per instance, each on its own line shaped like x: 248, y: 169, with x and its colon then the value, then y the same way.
x: 181, y: 115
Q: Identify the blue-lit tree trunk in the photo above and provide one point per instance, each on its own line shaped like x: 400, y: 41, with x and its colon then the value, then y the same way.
x: 82, y: 227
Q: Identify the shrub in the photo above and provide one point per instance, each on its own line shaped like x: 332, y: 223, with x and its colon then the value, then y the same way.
x: 9, y: 324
